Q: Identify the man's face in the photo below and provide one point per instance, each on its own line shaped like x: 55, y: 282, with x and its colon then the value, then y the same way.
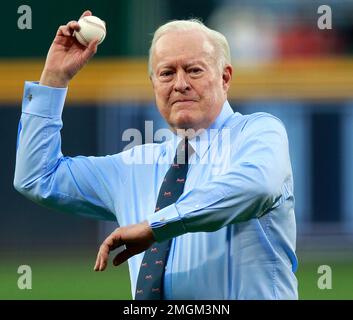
x: 189, y: 87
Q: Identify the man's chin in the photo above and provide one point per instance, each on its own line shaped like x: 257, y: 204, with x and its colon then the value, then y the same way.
x: 184, y: 124
x: 190, y: 128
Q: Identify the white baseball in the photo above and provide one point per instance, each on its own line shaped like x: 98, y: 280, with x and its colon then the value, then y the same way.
x: 91, y: 28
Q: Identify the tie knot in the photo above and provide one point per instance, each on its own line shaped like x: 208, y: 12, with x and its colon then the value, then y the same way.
x: 183, y: 151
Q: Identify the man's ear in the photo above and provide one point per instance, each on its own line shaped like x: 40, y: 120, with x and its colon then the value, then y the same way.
x: 227, y: 76
x: 151, y: 79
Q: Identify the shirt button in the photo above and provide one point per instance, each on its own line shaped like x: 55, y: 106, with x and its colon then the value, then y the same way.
x: 29, y: 97
x: 162, y: 219
x: 196, y: 206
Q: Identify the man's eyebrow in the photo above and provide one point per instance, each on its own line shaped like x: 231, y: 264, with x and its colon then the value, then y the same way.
x: 186, y: 65
x: 164, y: 65
x: 192, y: 63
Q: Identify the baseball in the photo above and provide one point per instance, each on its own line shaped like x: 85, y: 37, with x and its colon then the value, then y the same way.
x: 91, y: 28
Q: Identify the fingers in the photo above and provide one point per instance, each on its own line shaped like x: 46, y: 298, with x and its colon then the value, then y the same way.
x: 63, y: 31
x: 102, y: 258
x: 68, y: 29
x: 110, y: 243
x: 91, y: 50
x: 122, y: 257
x: 86, y: 13
x: 73, y: 26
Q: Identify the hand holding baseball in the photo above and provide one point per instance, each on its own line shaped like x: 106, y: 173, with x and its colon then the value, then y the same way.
x: 66, y: 55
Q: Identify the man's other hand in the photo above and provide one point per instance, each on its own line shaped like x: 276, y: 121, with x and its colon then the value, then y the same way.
x: 135, y: 237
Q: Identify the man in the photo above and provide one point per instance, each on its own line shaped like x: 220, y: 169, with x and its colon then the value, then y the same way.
x: 191, y: 226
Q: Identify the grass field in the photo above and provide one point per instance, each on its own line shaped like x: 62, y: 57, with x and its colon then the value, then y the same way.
x: 72, y: 277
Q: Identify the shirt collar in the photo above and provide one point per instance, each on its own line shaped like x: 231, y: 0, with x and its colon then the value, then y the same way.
x: 201, y: 143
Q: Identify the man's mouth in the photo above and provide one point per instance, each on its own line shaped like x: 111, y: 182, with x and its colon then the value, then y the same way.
x: 183, y: 101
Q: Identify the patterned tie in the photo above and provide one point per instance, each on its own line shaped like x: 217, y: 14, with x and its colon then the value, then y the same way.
x: 150, y: 279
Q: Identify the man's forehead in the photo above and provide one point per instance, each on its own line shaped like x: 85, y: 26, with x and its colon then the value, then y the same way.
x: 184, y: 61
x: 192, y: 47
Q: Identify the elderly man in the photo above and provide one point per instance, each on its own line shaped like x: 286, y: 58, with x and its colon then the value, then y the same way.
x: 212, y: 216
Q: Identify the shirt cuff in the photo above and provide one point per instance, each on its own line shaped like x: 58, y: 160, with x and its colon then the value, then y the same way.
x: 42, y: 100
x: 166, y: 223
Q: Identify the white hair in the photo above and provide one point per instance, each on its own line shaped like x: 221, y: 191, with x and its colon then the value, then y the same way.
x: 217, y: 40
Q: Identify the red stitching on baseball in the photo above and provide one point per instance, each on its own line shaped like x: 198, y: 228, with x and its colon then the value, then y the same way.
x: 84, y: 39
x: 94, y: 23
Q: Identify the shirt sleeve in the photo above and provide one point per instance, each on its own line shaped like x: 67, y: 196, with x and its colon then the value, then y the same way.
x: 43, y: 174
x: 258, y: 169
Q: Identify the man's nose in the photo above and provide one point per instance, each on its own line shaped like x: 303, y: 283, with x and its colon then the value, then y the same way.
x: 181, y: 82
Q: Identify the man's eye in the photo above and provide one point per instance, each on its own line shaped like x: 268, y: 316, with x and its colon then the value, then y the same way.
x: 195, y: 70
x: 166, y: 73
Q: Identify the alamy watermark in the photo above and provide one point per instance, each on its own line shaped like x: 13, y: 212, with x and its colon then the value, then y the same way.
x: 24, y: 22
x: 325, y: 20
x: 325, y: 280
x: 211, y: 146
x: 24, y: 281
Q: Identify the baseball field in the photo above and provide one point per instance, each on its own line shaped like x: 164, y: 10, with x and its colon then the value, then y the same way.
x: 58, y: 276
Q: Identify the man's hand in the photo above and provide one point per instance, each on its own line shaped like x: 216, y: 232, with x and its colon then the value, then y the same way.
x: 136, y: 238
x: 66, y: 56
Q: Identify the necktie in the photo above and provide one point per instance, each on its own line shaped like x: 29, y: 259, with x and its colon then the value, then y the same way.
x: 149, y: 284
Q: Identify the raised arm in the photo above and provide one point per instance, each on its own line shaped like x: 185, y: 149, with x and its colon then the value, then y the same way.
x: 42, y: 173
x: 66, y: 56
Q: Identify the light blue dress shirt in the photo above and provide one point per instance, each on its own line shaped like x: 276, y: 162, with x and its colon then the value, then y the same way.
x: 233, y: 228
